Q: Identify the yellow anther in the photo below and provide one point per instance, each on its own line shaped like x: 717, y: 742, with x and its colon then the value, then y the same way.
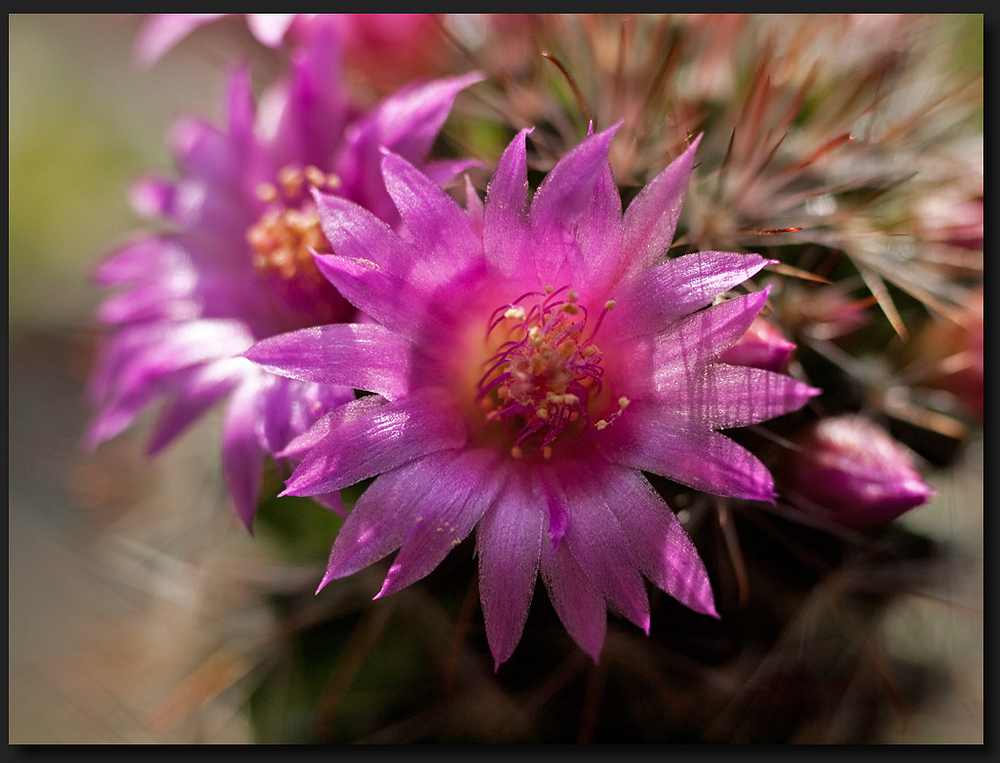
x: 623, y: 402
x: 547, y: 452
x: 266, y: 192
x: 291, y: 181
x: 516, y: 452
x: 600, y: 425
x: 315, y: 175
x: 515, y: 312
x: 610, y: 304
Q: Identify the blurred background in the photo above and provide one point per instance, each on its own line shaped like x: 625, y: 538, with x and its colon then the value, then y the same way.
x: 139, y: 611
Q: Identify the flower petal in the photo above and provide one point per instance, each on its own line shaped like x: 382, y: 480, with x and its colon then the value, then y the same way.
x: 579, y: 605
x: 694, y: 342
x: 201, y: 388
x: 440, y: 230
x: 164, y: 30
x: 506, y: 228
x: 395, y: 302
x: 362, y: 356
x: 407, y: 123
x: 509, y: 542
x: 382, y: 516
x: 377, y: 440
x: 355, y: 232
x: 340, y: 415
x: 242, y: 457
x: 560, y: 203
x: 651, y: 218
x: 655, y: 440
x: 723, y: 396
x: 460, y: 495
x: 663, y: 549
x: 595, y: 539
x: 656, y: 298
x: 311, y: 106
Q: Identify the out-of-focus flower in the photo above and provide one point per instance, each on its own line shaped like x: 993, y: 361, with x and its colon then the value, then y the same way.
x: 762, y: 346
x: 386, y: 49
x: 528, y: 360
x: 164, y: 30
x: 853, y: 472
x: 237, y: 265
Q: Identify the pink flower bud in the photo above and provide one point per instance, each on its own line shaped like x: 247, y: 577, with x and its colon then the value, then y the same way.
x: 762, y: 346
x: 854, y: 472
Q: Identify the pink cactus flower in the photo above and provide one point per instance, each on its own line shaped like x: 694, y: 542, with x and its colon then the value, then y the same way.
x: 236, y: 264
x: 529, y: 357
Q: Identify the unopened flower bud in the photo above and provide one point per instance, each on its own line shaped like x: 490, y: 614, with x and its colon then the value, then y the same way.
x: 854, y: 472
x: 762, y: 346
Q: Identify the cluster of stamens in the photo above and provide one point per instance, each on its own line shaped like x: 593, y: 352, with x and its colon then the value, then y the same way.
x: 286, y: 234
x: 541, y: 379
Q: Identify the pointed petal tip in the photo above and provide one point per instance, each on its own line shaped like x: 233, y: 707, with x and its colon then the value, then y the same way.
x: 322, y: 584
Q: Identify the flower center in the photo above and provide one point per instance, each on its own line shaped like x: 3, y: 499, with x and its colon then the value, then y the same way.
x: 284, y: 235
x: 282, y: 242
x: 546, y: 371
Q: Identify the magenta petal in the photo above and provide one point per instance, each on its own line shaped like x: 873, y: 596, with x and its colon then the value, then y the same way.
x: 651, y: 218
x: 407, y: 123
x: 118, y: 413
x: 439, y: 228
x: 331, y: 501
x: 658, y: 297
x: 663, y: 549
x: 579, y: 606
x: 270, y: 28
x: 598, y: 543
x: 692, y: 343
x: 378, y: 440
x: 144, y: 352
x: 164, y: 30
x: 474, y: 208
x: 597, y: 259
x: 506, y: 230
x: 242, y: 457
x: 650, y: 438
x: 141, y: 260
x: 362, y: 356
x: 169, y: 298
x: 313, y: 110
x: 395, y: 302
x: 199, y: 391
x: 152, y: 196
x: 339, y: 416
x: 459, y: 496
x: 382, y: 516
x: 356, y: 233
x: 560, y: 202
x: 509, y: 542
x: 724, y: 396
